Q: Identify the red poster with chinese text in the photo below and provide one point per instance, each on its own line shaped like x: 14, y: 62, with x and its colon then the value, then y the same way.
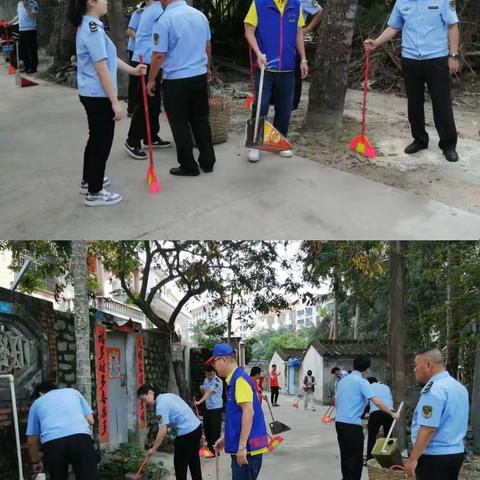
x: 142, y: 417
x: 101, y: 361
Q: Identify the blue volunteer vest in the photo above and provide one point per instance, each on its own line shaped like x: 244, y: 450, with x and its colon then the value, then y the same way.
x: 258, y: 438
x: 276, y: 34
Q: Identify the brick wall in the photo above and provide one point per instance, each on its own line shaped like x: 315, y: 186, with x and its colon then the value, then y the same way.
x: 58, y: 337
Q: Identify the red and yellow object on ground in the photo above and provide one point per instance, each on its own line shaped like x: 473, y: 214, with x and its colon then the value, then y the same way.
x: 361, y: 144
x: 274, y: 442
x: 153, y: 183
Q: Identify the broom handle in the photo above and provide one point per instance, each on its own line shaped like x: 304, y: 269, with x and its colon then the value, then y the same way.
x: 147, y: 115
x: 365, y: 88
x: 270, y: 408
x: 259, y: 101
x: 391, y: 429
x: 216, y: 466
x: 147, y: 458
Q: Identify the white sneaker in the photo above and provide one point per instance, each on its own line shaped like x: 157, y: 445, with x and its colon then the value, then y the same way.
x: 84, y: 185
x: 253, y: 155
x: 102, y: 198
x: 286, y: 153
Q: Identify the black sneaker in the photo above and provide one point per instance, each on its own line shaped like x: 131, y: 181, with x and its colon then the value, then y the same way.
x: 158, y: 143
x: 135, y: 152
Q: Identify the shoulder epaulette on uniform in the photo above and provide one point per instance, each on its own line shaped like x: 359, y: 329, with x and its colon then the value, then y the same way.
x: 139, y: 11
x: 427, y: 387
x: 93, y: 26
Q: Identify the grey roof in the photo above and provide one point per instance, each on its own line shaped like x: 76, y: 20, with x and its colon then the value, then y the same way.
x: 286, y: 353
x: 349, y: 348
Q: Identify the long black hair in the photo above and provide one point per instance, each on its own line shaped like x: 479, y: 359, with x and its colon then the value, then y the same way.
x: 76, y: 10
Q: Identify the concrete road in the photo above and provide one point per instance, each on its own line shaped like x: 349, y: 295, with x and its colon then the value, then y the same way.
x: 42, y: 135
x: 310, y: 450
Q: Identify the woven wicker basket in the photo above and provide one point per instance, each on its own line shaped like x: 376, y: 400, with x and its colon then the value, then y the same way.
x: 219, y: 118
x: 377, y: 472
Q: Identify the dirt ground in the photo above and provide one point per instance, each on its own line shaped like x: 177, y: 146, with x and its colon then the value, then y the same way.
x: 426, y: 173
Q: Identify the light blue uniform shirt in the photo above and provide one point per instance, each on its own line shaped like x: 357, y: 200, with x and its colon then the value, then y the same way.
x: 353, y: 392
x: 172, y: 411
x: 94, y: 45
x: 25, y: 22
x: 144, y: 41
x: 215, y: 400
x: 384, y: 393
x: 57, y: 414
x: 133, y: 24
x: 443, y: 405
x: 424, y: 25
x: 310, y: 7
x: 182, y: 33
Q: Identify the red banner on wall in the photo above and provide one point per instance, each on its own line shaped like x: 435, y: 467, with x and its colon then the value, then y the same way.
x: 101, y: 361
x: 142, y: 416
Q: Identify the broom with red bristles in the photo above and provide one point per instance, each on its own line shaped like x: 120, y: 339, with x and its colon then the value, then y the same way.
x: 153, y: 183
x: 361, y: 144
x: 204, y: 451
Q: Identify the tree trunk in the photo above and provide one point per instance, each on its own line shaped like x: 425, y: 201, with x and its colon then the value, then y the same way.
x: 118, y: 28
x: 474, y: 416
x: 396, y: 334
x: 62, y: 42
x: 82, y: 320
x: 179, y: 369
x: 452, y: 314
x: 329, y: 79
x: 356, y: 321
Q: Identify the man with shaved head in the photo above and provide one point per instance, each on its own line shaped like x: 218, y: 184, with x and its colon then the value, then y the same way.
x: 439, y: 423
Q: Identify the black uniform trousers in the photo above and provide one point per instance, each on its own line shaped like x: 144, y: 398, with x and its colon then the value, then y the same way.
x: 75, y: 450
x: 435, y: 74
x: 212, y: 426
x: 133, y: 85
x: 186, y: 105
x: 28, y: 49
x: 138, y: 127
x: 376, y: 420
x: 439, y: 467
x: 186, y: 455
x: 274, y: 392
x: 350, y: 440
x: 101, y: 130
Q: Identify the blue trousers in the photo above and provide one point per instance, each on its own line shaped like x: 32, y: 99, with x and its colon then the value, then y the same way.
x: 282, y: 86
x: 247, y: 472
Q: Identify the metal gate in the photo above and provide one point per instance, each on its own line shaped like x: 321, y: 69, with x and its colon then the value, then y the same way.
x: 117, y: 388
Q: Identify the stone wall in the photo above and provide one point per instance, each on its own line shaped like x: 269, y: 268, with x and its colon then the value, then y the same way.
x: 157, y: 371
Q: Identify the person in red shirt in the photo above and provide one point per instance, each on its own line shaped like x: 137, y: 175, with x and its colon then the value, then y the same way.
x: 257, y: 378
x: 274, y: 386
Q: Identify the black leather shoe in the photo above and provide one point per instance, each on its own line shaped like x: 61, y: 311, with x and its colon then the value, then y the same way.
x: 182, y: 173
x: 415, y: 147
x: 451, y: 155
x: 207, y: 170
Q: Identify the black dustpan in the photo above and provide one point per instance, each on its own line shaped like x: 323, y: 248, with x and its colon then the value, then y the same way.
x: 276, y: 427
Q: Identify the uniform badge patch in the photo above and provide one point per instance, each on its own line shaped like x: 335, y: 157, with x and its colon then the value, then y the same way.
x: 139, y: 11
x: 427, y: 411
x: 93, y: 26
x: 155, y: 38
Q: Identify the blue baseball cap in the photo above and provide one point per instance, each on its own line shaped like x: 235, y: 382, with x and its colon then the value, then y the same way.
x: 220, y: 350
